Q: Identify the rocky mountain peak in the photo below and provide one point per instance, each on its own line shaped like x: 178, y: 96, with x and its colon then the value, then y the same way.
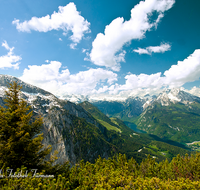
x: 28, y: 88
x: 65, y: 124
x: 176, y: 95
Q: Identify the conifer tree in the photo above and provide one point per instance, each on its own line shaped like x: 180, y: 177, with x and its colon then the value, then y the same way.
x: 20, y: 136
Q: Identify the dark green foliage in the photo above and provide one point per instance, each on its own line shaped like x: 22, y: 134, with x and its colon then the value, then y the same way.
x: 20, y: 141
x: 89, y: 141
x: 119, y: 173
x: 95, y: 112
x: 99, y: 116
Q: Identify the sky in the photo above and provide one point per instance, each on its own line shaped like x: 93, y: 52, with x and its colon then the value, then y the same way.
x: 102, y: 48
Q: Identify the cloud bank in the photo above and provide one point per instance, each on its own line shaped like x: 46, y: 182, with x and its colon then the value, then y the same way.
x: 107, y: 48
x: 10, y: 60
x: 103, y: 83
x: 50, y: 78
x: 185, y: 71
x: 67, y: 19
x: 195, y: 91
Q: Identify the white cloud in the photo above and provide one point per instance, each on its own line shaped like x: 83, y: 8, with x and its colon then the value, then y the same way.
x: 106, y: 47
x: 195, y: 91
x: 45, y: 73
x: 141, y: 81
x: 141, y: 51
x: 67, y: 19
x: 62, y: 82
x: 137, y: 83
x: 73, y: 45
x: 154, y: 49
x: 60, y: 39
x: 185, y: 71
x: 10, y: 60
x: 85, y: 50
x: 5, y: 44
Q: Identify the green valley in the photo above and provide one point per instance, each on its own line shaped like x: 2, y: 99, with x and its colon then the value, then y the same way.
x: 134, y: 144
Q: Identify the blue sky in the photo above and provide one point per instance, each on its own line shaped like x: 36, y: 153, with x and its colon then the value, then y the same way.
x: 101, y: 48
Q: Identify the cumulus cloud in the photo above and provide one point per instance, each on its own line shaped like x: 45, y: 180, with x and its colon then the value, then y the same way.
x: 142, y: 81
x: 187, y: 70
x: 195, y: 91
x: 45, y: 73
x: 107, y: 47
x: 60, y: 82
x: 10, y: 60
x: 67, y: 19
x: 136, y: 83
x: 154, y: 49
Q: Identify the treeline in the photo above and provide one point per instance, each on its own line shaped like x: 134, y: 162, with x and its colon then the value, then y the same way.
x: 118, y: 173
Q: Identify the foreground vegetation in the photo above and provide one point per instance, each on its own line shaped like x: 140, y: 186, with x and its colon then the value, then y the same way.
x: 118, y: 173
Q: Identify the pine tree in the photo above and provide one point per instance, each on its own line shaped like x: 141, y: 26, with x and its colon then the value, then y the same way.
x: 20, y: 135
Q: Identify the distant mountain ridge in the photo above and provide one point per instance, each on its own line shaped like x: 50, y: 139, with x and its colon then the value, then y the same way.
x: 173, y: 114
x: 132, y: 107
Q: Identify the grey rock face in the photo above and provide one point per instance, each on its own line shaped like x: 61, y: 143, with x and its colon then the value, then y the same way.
x: 67, y: 127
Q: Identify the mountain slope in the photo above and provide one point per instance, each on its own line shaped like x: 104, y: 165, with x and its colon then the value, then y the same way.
x: 177, y: 121
x: 97, y: 114
x: 67, y: 127
x: 134, y: 144
x: 174, y: 115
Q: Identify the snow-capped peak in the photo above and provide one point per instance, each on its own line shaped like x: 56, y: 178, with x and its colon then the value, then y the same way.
x: 176, y: 95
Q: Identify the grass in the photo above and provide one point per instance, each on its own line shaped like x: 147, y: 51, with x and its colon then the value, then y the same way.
x: 108, y: 126
x: 113, y: 120
x: 153, y: 146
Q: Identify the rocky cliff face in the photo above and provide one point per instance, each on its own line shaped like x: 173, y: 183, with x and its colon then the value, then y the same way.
x: 67, y: 127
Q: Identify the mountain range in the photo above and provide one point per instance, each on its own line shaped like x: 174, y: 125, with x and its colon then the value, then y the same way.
x: 173, y: 114
x: 87, y: 130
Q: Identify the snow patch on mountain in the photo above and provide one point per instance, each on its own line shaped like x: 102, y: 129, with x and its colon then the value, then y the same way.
x: 173, y: 98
